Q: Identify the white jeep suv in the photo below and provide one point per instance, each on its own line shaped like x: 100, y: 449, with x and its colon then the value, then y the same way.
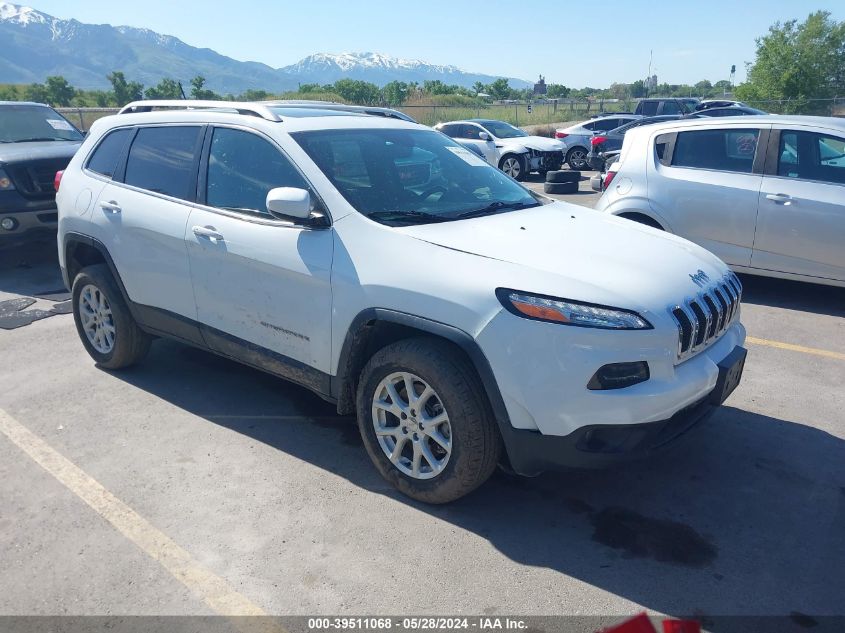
x: 465, y: 320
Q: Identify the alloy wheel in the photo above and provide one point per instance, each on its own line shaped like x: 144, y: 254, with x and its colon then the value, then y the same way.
x: 412, y: 425
x: 97, y: 321
x: 511, y: 167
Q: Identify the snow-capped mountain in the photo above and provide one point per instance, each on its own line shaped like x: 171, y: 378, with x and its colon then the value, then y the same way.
x: 36, y: 45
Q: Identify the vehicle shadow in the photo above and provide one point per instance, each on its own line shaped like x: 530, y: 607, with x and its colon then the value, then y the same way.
x: 744, y: 516
x: 30, y: 267
x: 793, y: 295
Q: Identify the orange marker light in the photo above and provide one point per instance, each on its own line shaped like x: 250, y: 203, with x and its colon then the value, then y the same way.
x: 539, y: 312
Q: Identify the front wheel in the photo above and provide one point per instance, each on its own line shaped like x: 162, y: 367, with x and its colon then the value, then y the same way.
x: 425, y: 420
x: 576, y: 158
x: 513, y: 167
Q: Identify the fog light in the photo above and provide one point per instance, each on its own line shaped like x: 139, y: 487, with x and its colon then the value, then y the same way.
x: 8, y: 224
x: 619, y: 375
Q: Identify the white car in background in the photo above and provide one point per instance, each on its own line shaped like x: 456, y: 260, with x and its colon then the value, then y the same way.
x: 509, y: 148
x: 764, y: 193
x: 576, y: 138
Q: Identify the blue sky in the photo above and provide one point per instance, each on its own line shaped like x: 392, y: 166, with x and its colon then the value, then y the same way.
x: 574, y: 43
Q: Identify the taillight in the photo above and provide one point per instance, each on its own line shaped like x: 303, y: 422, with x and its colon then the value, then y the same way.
x: 561, y: 134
x: 608, y: 178
x: 58, y: 180
x: 597, y: 140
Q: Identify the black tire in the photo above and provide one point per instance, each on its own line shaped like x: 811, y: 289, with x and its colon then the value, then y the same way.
x: 474, y: 439
x: 563, y: 176
x: 130, y: 343
x: 576, y: 158
x: 560, y: 187
x: 516, y: 174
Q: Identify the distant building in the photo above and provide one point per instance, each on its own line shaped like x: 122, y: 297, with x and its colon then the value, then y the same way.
x: 651, y: 82
x: 540, y: 86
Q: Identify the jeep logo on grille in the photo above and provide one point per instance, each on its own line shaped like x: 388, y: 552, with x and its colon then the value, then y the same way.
x: 700, y: 278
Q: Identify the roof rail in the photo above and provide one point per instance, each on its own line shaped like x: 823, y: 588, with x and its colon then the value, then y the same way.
x: 250, y: 109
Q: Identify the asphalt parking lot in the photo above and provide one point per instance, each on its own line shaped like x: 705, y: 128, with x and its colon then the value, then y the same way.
x: 192, y: 485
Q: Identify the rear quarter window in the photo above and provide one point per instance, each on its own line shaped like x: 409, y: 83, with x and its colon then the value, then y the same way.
x: 106, y: 155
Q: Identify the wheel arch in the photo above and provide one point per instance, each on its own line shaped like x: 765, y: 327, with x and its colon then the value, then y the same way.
x: 642, y: 218
x: 81, y: 251
x: 375, y: 328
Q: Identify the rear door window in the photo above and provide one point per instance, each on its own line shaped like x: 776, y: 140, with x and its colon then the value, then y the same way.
x: 162, y: 159
x: 649, y: 108
x: 109, y: 152
x: 452, y: 130
x: 721, y: 150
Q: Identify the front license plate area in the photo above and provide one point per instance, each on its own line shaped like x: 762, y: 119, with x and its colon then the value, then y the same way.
x: 730, y: 373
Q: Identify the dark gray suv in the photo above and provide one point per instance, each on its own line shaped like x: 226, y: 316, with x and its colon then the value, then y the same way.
x: 35, y: 143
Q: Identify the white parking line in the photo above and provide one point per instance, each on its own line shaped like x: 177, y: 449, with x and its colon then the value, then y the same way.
x: 210, y: 588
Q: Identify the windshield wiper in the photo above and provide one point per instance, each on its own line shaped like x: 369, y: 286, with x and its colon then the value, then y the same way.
x: 38, y: 139
x: 493, y: 207
x: 405, y: 216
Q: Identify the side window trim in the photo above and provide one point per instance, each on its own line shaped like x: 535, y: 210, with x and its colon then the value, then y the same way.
x: 202, y: 182
x: 120, y: 170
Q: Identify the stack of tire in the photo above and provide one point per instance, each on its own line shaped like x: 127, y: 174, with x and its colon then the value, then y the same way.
x: 563, y: 181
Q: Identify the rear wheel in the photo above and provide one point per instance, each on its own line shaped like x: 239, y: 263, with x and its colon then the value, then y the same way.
x: 106, y: 327
x: 425, y: 420
x: 576, y: 158
x: 513, y: 167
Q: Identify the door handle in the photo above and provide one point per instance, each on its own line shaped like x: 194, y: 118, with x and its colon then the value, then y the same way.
x: 208, y: 232
x: 111, y: 206
x: 779, y: 197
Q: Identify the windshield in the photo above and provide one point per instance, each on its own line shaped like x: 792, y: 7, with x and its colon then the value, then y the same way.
x: 22, y: 123
x: 500, y: 129
x: 399, y: 176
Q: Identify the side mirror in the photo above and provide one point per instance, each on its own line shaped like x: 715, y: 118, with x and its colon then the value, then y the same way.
x: 484, y: 136
x: 289, y: 202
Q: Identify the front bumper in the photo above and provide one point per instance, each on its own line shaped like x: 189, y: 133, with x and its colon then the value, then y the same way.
x: 554, y: 420
x: 545, y: 161
x: 600, y: 445
x: 27, y: 214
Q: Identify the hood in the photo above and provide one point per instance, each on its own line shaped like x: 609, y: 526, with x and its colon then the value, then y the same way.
x: 23, y: 152
x: 540, y: 143
x: 581, y: 254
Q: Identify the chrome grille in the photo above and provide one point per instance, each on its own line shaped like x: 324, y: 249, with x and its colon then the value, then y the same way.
x: 703, y: 318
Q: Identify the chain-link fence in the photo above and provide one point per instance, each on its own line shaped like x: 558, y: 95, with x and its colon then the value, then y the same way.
x: 537, y: 114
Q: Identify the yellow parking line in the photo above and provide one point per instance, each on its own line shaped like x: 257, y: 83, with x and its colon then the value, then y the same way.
x: 795, y: 348
x: 210, y: 588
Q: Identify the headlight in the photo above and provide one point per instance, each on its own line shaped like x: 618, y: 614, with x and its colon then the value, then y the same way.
x: 5, y: 182
x: 553, y: 310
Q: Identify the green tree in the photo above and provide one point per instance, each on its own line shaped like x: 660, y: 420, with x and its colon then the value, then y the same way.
x: 638, y: 89
x: 37, y: 93
x: 479, y: 87
x: 166, y: 89
x: 395, y: 93
x: 124, y: 91
x: 59, y: 91
x: 798, y: 62
x: 499, y: 89
x: 557, y: 91
x: 356, y: 91
x: 310, y: 88
x: 253, y: 95
x: 198, y: 90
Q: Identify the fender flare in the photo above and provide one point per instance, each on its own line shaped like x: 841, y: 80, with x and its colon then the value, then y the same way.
x: 355, y: 340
